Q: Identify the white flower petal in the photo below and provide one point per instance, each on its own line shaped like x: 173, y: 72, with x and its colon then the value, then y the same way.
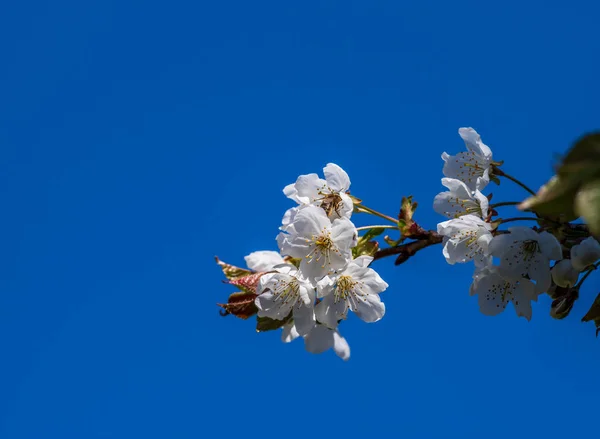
x: 289, y: 333
x: 319, y: 340
x: 263, y: 260
x: 304, y: 319
x: 340, y: 346
x: 328, y: 311
x: 550, y: 246
x: 370, y: 308
x: 337, y: 178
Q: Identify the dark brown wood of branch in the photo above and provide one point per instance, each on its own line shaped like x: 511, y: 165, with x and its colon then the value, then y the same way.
x: 405, y: 251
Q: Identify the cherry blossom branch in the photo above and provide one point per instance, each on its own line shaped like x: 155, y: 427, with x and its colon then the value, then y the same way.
x: 501, y: 173
x: 586, y: 275
x: 518, y: 218
x: 376, y: 227
x: 405, y: 251
x: 505, y: 203
x: 366, y: 209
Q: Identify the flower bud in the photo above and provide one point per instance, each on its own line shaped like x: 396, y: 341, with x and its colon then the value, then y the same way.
x: 563, y: 273
x: 585, y: 254
x: 562, y: 306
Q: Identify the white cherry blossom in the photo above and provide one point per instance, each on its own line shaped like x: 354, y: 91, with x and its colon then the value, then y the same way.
x: 324, y: 247
x: 284, y: 292
x: 495, y: 292
x: 460, y: 200
x: 356, y: 288
x: 564, y: 274
x: 526, y: 253
x: 473, y: 166
x: 466, y: 239
x: 329, y: 193
x: 319, y: 339
x: 585, y: 254
x: 263, y: 260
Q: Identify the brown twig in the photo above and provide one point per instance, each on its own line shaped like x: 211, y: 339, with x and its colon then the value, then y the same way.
x: 405, y: 251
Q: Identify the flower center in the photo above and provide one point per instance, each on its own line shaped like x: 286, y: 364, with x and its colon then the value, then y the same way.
x: 347, y: 289
x: 286, y: 291
x: 323, y: 246
x: 463, y: 207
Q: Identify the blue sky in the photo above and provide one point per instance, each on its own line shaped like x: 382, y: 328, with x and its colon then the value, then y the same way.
x: 140, y: 139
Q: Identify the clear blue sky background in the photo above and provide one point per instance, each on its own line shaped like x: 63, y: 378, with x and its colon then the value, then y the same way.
x: 140, y: 139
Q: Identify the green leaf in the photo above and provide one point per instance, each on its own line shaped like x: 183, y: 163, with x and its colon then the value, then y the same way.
x: 366, y: 245
x: 580, y: 166
x: 372, y: 233
x: 554, y: 199
x: 582, y: 162
x: 587, y: 204
x: 267, y: 324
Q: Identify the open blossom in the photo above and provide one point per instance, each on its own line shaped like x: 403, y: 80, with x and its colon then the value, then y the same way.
x: 471, y: 167
x: 319, y: 339
x: 356, y: 288
x: 284, y: 292
x: 466, y: 239
x: 495, y: 292
x: 564, y: 274
x: 263, y: 260
x: 460, y: 200
x: 526, y: 253
x: 329, y: 193
x: 324, y: 247
x: 585, y: 254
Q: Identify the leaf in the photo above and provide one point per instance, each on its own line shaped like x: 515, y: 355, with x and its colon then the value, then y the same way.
x: 372, y: 233
x: 580, y: 166
x: 554, y: 199
x: 267, y: 324
x: 231, y: 271
x: 582, y: 162
x: 365, y: 244
x: 246, y: 283
x: 587, y: 204
x: 594, y: 314
x: 240, y: 304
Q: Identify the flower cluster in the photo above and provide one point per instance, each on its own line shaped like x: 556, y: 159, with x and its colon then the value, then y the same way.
x: 322, y: 270
x: 524, y: 254
x: 315, y: 279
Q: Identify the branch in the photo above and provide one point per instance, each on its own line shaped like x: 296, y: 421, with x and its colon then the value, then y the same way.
x: 405, y: 251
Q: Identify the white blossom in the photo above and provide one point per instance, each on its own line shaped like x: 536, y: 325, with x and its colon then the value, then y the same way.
x: 471, y: 167
x: 284, y: 292
x: 526, y: 253
x: 564, y: 274
x: 460, y: 200
x: 356, y: 288
x: 319, y: 339
x: 263, y: 260
x: 494, y: 292
x: 324, y: 247
x: 585, y: 254
x: 466, y: 238
x: 329, y: 193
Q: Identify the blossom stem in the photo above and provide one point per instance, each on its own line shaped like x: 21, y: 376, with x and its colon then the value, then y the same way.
x: 499, y: 172
x: 585, y: 276
x: 406, y: 251
x: 366, y: 209
x: 506, y: 203
x: 518, y: 218
x: 376, y: 227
